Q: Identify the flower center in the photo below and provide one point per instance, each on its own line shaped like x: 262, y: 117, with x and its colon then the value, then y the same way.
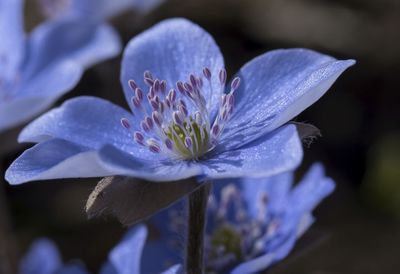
x: 233, y: 236
x: 178, y: 123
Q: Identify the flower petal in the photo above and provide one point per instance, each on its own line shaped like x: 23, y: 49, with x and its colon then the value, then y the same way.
x: 43, y: 257
x: 55, y: 159
x: 277, y: 86
x: 311, y: 190
x: 276, y: 187
x: 176, y: 269
x: 39, y: 93
x: 255, y: 265
x: 158, y: 171
x: 125, y: 257
x: 172, y: 50
x: 12, y: 31
x: 271, y: 154
x: 71, y: 38
x: 88, y: 121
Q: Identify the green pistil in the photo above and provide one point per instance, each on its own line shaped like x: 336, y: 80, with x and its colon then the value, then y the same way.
x: 229, y: 238
x: 199, y: 145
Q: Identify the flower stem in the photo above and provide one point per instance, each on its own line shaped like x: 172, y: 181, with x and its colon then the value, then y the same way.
x: 196, y: 225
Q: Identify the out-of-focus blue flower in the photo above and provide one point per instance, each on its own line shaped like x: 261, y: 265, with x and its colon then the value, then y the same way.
x: 184, y: 120
x: 39, y: 67
x: 125, y: 258
x: 43, y: 257
x: 94, y: 9
x: 252, y: 223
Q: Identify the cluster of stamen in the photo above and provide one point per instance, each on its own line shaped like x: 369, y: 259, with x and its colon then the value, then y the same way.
x: 175, y: 119
x: 234, y: 236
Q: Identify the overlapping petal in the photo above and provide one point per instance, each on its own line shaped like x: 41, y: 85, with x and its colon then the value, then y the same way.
x: 172, y: 50
x: 271, y: 154
x: 57, y: 158
x: 88, y: 121
x: 276, y: 87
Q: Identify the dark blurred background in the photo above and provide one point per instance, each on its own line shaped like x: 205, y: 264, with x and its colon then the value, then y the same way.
x: 357, y: 228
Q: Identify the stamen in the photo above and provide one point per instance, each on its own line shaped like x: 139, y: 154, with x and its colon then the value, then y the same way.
x: 179, y: 119
x: 125, y: 123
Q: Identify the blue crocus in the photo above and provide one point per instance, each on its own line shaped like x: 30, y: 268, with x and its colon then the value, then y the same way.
x: 252, y: 223
x: 185, y: 120
x: 38, y: 68
x: 94, y: 9
x: 125, y: 258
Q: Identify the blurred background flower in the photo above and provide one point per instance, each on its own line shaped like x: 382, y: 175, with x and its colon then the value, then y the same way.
x: 358, y: 230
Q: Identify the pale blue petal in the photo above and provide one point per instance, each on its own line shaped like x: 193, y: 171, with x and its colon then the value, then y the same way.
x: 55, y: 159
x: 125, y: 257
x: 43, y: 257
x: 277, y: 86
x: 13, y: 36
x: 255, y: 265
x: 172, y: 50
x: 276, y: 187
x: 153, y: 170
x: 88, y: 121
x: 39, y: 93
x: 311, y: 190
x: 176, y: 269
x: 273, y: 153
x: 71, y: 38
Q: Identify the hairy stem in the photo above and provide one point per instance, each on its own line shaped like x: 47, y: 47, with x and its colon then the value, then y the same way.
x: 196, y: 225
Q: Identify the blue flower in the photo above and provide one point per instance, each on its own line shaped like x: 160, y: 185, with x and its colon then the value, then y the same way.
x: 125, y: 258
x: 185, y: 120
x: 94, y: 9
x: 252, y: 223
x: 38, y: 68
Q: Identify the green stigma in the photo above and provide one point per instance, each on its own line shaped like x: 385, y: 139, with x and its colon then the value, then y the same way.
x: 190, y: 140
x: 229, y: 238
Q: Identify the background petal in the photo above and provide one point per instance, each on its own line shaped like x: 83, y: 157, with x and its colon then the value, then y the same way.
x: 88, y: 121
x: 39, y: 93
x: 276, y: 187
x: 42, y: 257
x: 271, y: 154
x: 172, y: 50
x: 310, y: 191
x: 125, y: 257
x: 71, y: 38
x: 12, y: 31
x: 277, y: 86
x: 176, y: 269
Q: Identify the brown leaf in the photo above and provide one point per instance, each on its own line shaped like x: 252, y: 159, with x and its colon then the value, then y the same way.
x: 131, y: 200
